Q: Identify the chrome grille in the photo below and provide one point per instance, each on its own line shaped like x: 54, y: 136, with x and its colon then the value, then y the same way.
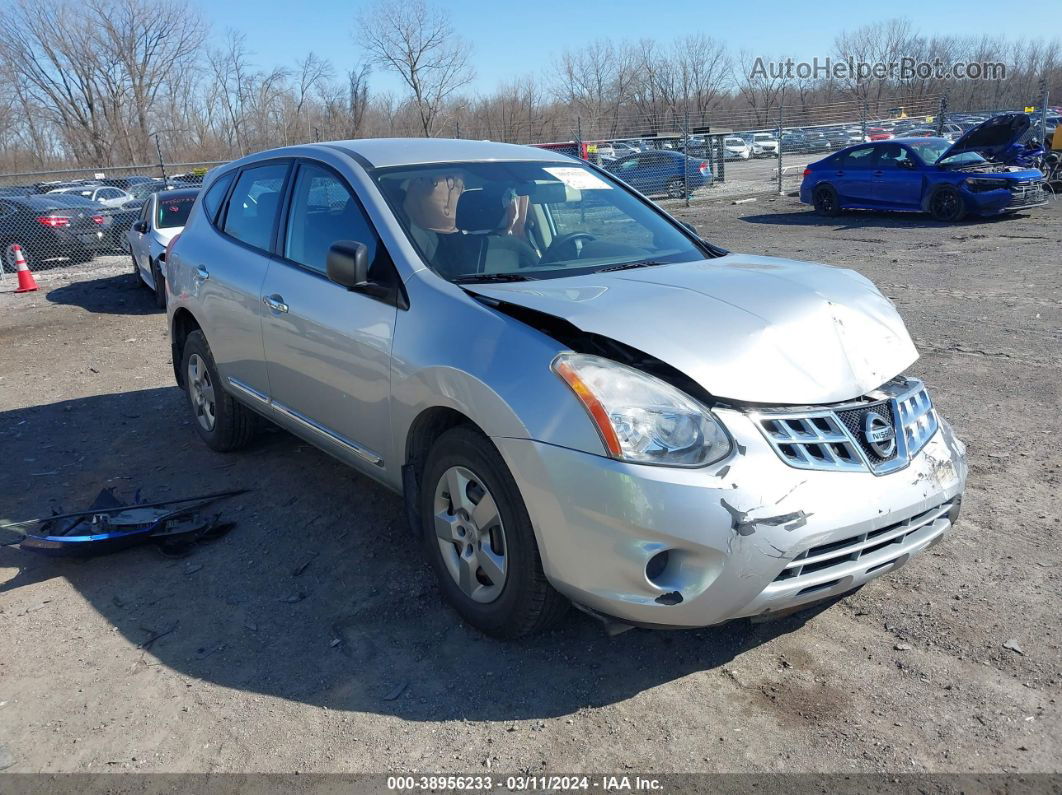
x: 833, y: 437
x: 1026, y: 192
x: 812, y: 441
x: 820, y: 559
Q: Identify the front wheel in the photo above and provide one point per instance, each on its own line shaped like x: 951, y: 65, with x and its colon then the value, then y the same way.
x: 479, y: 539
x: 946, y: 204
x: 160, y: 284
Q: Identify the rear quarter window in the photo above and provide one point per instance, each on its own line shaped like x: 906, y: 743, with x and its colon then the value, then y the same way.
x: 213, y: 197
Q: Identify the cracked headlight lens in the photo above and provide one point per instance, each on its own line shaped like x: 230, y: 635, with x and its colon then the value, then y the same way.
x: 640, y: 418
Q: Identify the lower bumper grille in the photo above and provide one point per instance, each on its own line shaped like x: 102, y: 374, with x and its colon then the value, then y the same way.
x: 835, y: 554
x: 1027, y: 193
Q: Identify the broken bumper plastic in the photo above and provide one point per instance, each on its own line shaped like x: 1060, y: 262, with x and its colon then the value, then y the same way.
x: 745, y: 536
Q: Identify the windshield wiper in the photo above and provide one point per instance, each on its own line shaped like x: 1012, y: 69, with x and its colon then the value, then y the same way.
x: 476, y: 278
x: 626, y: 266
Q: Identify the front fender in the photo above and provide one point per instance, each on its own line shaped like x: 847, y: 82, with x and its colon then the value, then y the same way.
x: 452, y: 351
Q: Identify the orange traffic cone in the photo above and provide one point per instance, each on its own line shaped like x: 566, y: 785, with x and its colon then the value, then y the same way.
x: 26, y: 282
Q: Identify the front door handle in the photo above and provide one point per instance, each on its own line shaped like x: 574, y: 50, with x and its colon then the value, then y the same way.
x: 201, y: 273
x: 275, y: 302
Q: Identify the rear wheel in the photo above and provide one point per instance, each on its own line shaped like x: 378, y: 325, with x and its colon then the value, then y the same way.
x: 221, y: 422
x: 946, y: 204
x: 676, y: 188
x: 479, y: 539
x: 826, y: 202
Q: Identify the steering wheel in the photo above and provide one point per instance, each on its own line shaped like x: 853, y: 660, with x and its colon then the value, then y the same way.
x: 559, y: 243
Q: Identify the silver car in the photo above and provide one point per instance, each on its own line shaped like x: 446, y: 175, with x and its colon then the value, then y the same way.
x: 161, y: 219
x: 578, y: 397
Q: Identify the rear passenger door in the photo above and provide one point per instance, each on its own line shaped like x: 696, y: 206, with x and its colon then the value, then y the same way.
x: 856, y: 182
x: 328, y: 348
x: 228, y: 270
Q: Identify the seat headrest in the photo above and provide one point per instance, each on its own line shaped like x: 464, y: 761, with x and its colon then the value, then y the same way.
x: 481, y: 211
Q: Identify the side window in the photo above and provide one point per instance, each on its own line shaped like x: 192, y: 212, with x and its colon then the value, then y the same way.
x: 145, y: 208
x: 322, y: 212
x: 253, y: 204
x: 889, y: 156
x: 859, y: 158
x: 213, y: 197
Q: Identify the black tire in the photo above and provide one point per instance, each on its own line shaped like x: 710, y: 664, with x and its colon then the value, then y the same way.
x: 527, y: 602
x: 160, y: 284
x: 827, y: 203
x: 676, y: 188
x: 234, y: 424
x: 946, y: 204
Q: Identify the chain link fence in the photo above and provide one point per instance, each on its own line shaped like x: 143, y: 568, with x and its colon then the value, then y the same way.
x: 674, y: 156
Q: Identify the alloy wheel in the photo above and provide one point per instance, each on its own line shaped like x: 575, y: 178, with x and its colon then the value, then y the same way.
x: 470, y: 534
x: 201, y: 392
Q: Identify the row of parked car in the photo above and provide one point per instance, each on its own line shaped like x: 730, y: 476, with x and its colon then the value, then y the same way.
x: 76, y: 220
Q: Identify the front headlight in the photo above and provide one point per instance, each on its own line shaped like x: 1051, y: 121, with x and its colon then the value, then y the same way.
x: 985, y: 183
x: 642, y: 419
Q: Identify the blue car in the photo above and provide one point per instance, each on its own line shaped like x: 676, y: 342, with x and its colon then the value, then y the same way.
x: 659, y: 172
x: 947, y: 180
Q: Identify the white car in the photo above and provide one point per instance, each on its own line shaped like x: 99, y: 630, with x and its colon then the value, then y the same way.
x: 736, y: 149
x: 161, y: 219
x: 764, y: 145
x: 106, y: 195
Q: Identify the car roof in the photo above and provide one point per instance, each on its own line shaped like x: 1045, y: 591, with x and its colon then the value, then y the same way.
x: 177, y: 193
x: 384, y: 152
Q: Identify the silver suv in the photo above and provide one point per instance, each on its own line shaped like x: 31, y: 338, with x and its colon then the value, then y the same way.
x: 578, y: 397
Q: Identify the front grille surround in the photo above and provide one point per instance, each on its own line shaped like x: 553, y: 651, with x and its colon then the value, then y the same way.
x: 831, y: 438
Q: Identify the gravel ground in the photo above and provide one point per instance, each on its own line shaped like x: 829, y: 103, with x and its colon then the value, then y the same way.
x: 312, y: 638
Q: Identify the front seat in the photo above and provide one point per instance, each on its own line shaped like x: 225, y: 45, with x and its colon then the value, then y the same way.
x: 483, y: 212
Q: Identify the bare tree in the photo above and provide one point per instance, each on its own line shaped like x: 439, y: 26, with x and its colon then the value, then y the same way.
x: 418, y: 43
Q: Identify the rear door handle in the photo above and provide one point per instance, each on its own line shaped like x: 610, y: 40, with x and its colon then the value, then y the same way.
x: 201, y: 273
x: 275, y: 302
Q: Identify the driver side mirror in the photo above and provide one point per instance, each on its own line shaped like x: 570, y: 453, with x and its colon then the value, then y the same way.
x: 348, y: 265
x: 141, y: 227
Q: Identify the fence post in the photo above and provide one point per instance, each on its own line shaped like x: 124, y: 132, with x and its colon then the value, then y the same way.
x: 719, y: 152
x: 162, y: 166
x: 864, y: 111
x: 686, y: 156
x: 778, y: 136
x: 941, y: 113
x: 1043, y: 113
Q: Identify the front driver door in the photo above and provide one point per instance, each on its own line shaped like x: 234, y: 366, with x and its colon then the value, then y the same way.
x: 898, y: 177
x: 328, y: 349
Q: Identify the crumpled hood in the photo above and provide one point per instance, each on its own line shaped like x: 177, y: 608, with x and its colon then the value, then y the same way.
x: 992, y: 139
x: 746, y: 328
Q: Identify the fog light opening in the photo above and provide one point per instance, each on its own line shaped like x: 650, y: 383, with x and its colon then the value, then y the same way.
x: 656, y: 567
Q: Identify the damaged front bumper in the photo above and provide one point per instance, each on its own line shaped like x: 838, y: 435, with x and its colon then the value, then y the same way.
x: 749, y: 535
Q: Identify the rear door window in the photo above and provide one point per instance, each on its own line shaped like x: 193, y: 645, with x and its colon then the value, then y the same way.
x: 253, y: 205
x: 859, y: 158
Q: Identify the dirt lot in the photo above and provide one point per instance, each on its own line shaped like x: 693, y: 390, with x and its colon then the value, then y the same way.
x: 312, y: 638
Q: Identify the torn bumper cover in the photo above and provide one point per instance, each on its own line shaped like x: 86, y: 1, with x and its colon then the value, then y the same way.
x: 746, y: 536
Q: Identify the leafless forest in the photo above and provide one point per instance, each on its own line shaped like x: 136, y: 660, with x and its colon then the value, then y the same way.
x: 96, y: 82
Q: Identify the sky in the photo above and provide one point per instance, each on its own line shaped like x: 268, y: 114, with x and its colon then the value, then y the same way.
x: 511, y: 39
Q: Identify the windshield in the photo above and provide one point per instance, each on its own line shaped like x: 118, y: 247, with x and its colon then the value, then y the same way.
x: 517, y: 220
x: 930, y: 150
x: 173, y: 212
x: 734, y: 142
x: 762, y: 137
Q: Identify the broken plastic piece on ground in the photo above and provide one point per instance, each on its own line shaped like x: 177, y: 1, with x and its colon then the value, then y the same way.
x: 109, y: 525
